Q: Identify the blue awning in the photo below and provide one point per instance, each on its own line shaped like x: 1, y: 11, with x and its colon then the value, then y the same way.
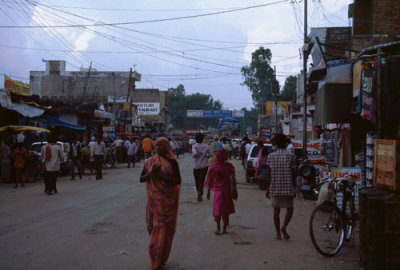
x: 63, y: 124
x: 229, y: 121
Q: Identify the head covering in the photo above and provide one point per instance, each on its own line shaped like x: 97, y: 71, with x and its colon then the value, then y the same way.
x: 164, y: 143
x: 220, y: 168
x: 159, y: 161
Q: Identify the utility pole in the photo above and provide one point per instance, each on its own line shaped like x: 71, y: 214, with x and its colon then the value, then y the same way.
x: 276, y: 90
x: 127, y: 98
x: 305, y: 56
x: 87, y: 79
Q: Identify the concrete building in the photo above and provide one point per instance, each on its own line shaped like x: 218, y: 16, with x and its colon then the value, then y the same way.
x: 90, y: 85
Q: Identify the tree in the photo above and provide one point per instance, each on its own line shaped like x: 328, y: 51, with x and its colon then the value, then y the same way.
x: 179, y: 103
x: 289, y: 89
x: 258, y: 76
x: 250, y: 120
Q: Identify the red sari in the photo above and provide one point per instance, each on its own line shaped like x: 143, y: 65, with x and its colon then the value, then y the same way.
x: 161, y: 209
x: 218, y: 180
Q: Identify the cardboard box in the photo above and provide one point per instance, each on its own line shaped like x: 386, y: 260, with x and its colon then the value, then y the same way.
x: 387, y: 164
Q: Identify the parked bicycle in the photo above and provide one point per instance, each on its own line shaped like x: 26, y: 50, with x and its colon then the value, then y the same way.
x: 329, y: 225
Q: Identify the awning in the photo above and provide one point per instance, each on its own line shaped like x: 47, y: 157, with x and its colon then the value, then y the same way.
x: 24, y: 128
x: 21, y: 108
x: 333, y: 104
x: 63, y: 124
x: 229, y: 121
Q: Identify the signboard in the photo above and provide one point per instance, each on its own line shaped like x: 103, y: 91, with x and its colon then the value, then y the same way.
x: 309, y: 124
x: 195, y: 113
x: 282, y: 107
x: 311, y: 144
x: 238, y: 114
x: 357, y: 68
x: 126, y: 107
x: 216, y: 114
x: 16, y: 87
x: 265, y: 133
x: 386, y: 168
x: 102, y: 114
x: 342, y: 172
x: 109, y: 131
x: 148, y: 108
x: 112, y: 99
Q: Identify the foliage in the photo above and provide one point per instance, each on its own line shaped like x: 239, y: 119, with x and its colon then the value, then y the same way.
x: 289, y: 89
x: 258, y: 76
x: 179, y: 103
x: 250, y: 120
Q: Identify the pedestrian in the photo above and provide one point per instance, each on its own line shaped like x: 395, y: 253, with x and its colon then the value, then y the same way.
x: 75, y: 154
x: 98, y: 153
x: 5, y: 161
x: 214, y: 147
x: 290, y: 146
x: 147, y: 146
x: 226, y: 145
x: 163, y: 179
x: 85, y: 158
x: 261, y: 158
x: 131, y: 151
x: 200, y: 153
x: 243, y: 151
x: 20, y: 156
x: 52, y: 156
x: 222, y: 180
x: 281, y: 177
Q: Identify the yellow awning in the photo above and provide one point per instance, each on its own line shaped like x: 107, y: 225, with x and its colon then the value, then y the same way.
x: 24, y: 128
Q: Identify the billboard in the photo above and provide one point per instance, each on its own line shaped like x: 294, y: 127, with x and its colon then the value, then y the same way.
x: 148, y: 108
x: 282, y: 107
x: 195, y: 113
x: 16, y: 87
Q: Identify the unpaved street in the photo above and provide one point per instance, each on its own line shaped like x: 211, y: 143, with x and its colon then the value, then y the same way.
x: 101, y: 225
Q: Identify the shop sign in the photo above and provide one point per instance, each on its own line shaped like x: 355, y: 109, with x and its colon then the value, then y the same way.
x: 102, y: 114
x: 16, y: 87
x: 238, y: 114
x: 357, y: 68
x: 148, y: 109
x: 309, y: 124
x: 314, y: 145
x: 195, y: 113
x: 112, y: 99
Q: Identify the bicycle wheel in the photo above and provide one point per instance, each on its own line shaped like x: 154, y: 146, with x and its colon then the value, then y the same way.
x: 327, y: 229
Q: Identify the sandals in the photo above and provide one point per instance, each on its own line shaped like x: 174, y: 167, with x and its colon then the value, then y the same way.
x: 285, y: 234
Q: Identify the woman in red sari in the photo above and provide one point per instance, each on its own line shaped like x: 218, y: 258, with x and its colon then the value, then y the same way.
x: 222, y: 180
x: 163, y: 179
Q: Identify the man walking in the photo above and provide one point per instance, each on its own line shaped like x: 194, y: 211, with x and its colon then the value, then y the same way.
x: 131, y: 150
x: 75, y: 154
x: 200, y: 152
x: 147, y: 146
x: 280, y: 183
x: 52, y: 156
x: 98, y: 152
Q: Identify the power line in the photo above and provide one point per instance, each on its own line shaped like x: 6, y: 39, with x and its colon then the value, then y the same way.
x: 146, y: 21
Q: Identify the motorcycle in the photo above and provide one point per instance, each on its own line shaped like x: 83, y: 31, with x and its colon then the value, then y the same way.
x: 306, y: 180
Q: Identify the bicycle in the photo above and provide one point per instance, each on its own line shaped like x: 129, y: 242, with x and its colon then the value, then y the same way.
x: 329, y: 225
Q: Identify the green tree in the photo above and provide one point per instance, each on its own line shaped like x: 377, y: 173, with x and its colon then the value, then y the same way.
x: 250, y: 120
x: 179, y: 103
x: 289, y: 89
x: 258, y: 76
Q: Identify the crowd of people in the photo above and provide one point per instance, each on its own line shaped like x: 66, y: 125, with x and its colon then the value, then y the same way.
x: 212, y: 171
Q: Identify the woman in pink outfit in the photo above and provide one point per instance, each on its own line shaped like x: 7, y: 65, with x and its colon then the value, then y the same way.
x: 221, y: 179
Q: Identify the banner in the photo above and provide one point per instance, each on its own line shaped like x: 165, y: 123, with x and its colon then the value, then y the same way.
x: 112, y: 99
x: 16, y: 87
x: 102, y: 114
x: 282, y: 107
x: 5, y: 99
x: 311, y: 144
x: 148, y: 109
x: 195, y: 113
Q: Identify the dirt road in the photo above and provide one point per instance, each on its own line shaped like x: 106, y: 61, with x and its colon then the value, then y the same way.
x: 101, y: 225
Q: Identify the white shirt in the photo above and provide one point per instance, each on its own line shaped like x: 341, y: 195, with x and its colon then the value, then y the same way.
x: 52, y: 165
x: 98, y: 149
x: 132, y: 149
x: 248, y: 147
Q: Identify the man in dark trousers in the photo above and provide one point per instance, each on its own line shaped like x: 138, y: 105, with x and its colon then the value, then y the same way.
x: 75, y: 157
x: 98, y: 152
x: 200, y: 153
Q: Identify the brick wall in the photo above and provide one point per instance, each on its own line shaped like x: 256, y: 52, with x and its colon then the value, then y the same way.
x: 386, y: 17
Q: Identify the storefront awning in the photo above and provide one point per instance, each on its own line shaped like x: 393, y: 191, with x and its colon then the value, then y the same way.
x: 24, y: 128
x: 64, y: 124
x: 333, y: 104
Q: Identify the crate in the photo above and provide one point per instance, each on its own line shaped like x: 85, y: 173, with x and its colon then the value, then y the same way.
x: 387, y: 164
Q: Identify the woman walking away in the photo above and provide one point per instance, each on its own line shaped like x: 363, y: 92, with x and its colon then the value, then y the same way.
x: 280, y: 183
x: 20, y: 155
x: 163, y: 179
x: 222, y: 180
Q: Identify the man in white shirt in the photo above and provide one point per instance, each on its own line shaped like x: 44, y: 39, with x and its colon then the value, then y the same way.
x: 131, y: 151
x: 52, y: 156
x: 98, y: 152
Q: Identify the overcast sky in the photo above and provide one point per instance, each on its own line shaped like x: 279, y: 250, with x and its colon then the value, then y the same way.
x: 203, y: 51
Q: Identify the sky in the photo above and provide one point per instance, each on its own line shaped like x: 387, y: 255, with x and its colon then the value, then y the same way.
x: 201, y: 44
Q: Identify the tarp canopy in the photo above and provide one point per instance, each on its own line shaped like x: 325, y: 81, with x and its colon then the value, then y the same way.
x: 64, y: 124
x: 23, y: 128
x: 228, y: 121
